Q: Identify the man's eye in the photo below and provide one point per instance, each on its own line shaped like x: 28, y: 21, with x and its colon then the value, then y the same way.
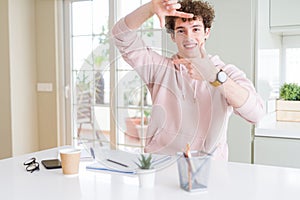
x: 180, y: 31
x: 197, y: 29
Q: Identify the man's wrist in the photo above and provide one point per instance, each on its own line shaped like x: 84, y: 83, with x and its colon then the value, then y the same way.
x: 151, y: 8
x: 221, y: 77
x: 135, y: 19
x: 213, y: 75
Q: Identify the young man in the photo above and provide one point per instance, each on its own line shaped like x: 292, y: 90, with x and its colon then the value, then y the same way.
x: 193, y: 94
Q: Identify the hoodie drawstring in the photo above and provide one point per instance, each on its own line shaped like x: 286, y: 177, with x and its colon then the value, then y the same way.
x: 182, y: 80
x: 195, y: 89
x: 181, y: 68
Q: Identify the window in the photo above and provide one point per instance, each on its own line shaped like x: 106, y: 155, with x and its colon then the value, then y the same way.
x: 277, y: 66
x: 89, y: 70
x: 110, y: 105
x: 268, y: 61
x: 291, y: 59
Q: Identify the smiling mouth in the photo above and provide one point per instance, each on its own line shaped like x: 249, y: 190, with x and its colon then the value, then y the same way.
x: 190, y: 46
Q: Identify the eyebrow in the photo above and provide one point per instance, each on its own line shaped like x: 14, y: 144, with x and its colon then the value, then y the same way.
x: 181, y: 27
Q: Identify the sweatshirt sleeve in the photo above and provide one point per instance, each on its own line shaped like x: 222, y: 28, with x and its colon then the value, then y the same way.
x: 136, y: 53
x: 253, y: 109
x: 124, y: 38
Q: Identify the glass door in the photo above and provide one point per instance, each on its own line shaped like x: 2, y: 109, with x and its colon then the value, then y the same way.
x: 109, y: 104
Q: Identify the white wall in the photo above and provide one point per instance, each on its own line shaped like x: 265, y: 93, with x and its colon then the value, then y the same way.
x: 47, y: 66
x: 5, y: 114
x: 18, y: 76
x: 233, y: 39
x: 23, y: 75
x: 29, y: 120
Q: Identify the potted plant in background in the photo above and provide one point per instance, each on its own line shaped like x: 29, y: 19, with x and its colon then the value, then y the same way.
x: 288, y: 105
x: 146, y: 173
x: 136, y: 126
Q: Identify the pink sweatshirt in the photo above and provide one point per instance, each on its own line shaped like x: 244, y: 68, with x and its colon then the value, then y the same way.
x: 184, y: 110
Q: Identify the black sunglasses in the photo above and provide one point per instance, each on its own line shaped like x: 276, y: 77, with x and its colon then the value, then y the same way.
x: 31, y: 165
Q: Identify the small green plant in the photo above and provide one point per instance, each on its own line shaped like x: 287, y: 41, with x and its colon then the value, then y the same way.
x: 145, y: 162
x: 290, y: 92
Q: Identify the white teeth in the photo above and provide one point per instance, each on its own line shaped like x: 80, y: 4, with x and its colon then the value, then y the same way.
x: 190, y: 45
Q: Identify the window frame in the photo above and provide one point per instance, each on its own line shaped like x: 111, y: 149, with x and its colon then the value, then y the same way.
x: 113, y: 53
x: 288, y: 41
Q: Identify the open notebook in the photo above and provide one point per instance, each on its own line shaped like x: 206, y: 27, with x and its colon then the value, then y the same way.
x: 124, y: 162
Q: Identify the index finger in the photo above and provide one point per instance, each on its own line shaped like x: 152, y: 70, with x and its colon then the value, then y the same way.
x: 183, y: 14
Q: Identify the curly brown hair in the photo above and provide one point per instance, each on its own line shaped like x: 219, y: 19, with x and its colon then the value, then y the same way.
x: 199, y: 8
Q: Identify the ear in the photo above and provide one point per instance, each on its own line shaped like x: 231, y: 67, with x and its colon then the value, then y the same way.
x: 207, y: 33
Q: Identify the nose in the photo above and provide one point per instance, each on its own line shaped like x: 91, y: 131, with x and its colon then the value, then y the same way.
x: 188, y: 33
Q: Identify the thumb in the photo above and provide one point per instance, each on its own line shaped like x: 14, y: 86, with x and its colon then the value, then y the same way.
x: 162, y: 20
x: 202, y: 51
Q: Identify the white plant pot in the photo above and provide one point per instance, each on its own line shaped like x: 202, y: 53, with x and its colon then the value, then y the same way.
x: 146, y: 178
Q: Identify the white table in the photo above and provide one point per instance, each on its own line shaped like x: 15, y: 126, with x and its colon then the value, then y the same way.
x: 227, y: 181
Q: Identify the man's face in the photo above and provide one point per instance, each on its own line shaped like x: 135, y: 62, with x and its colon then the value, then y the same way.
x: 188, y: 36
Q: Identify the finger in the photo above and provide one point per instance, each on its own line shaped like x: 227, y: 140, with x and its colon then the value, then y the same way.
x: 183, y: 14
x: 170, y: 2
x: 189, y: 66
x: 194, y: 75
x: 181, y: 61
x: 162, y: 21
x: 190, y: 72
x: 172, y: 6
